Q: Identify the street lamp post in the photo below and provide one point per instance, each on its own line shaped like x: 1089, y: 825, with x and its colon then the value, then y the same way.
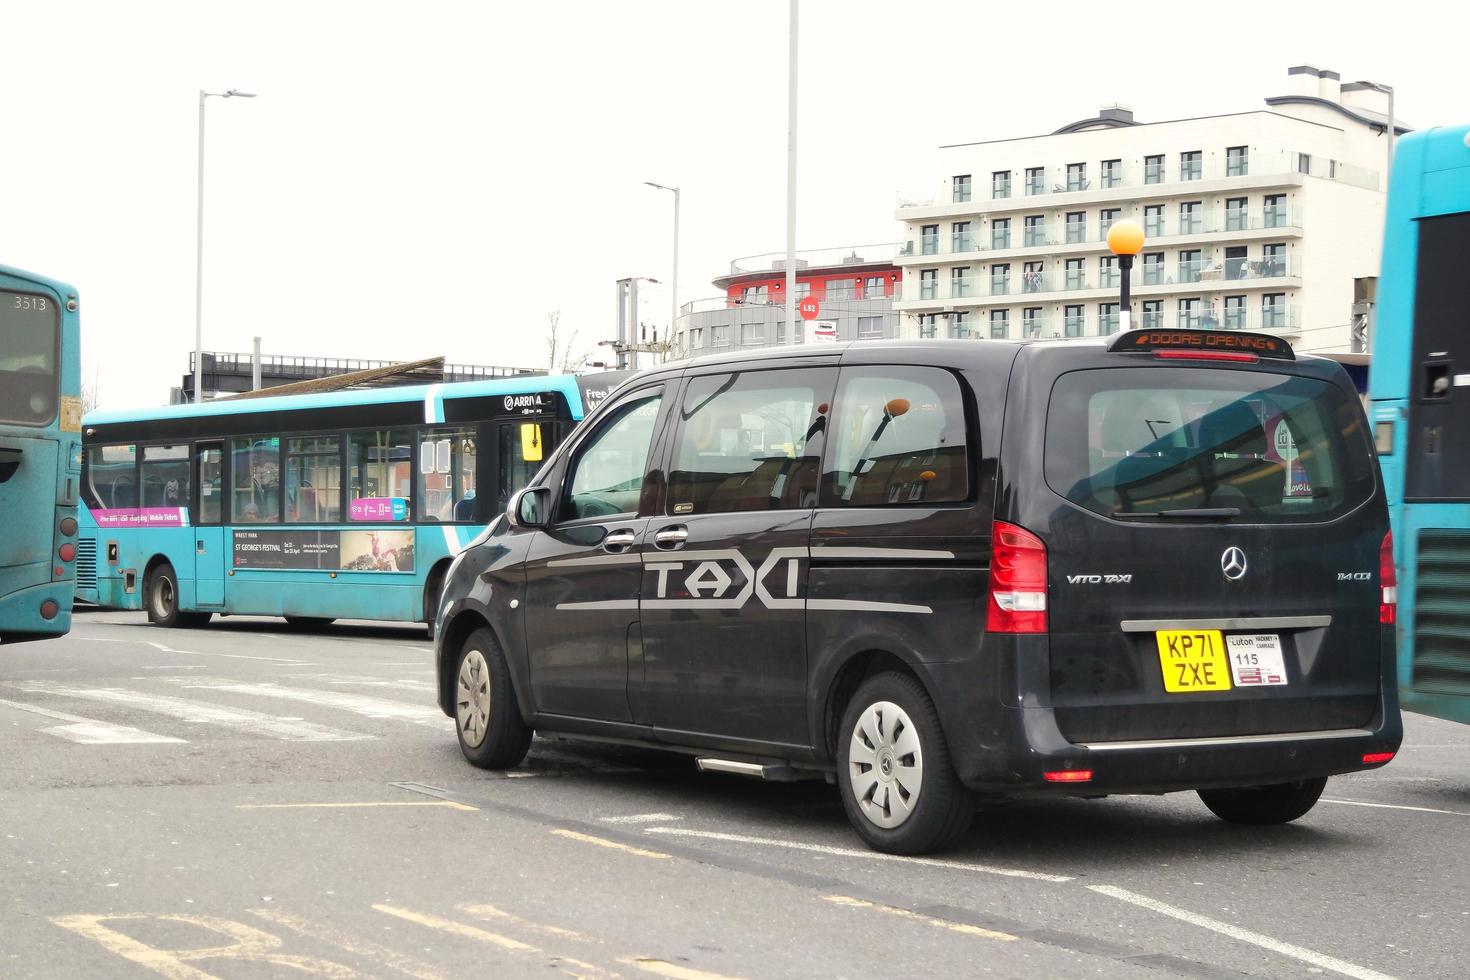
x: 674, y: 278
x: 199, y: 246
x: 1125, y: 240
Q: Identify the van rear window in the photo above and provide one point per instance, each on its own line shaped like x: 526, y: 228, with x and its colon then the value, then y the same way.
x: 1140, y: 443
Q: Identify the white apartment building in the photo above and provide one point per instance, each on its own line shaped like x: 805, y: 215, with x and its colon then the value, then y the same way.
x: 1259, y: 220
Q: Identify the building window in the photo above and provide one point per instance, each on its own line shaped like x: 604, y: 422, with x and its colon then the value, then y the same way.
x: 1076, y: 274
x: 1189, y: 265
x: 1191, y: 165
x: 928, y: 284
x: 1237, y: 161
x: 1112, y: 173
x: 1107, y: 272
x: 1273, y: 311
x: 752, y: 334
x: 1153, y: 169
x: 1189, y: 313
x: 1273, y: 260
x: 1076, y: 227
x: 1304, y: 163
x: 1153, y: 220
x: 1000, y: 324
x: 1237, y: 210
x: 1275, y: 211
x: 870, y: 328
x: 1107, y: 318
x: 959, y: 326
x: 875, y: 287
x: 1031, y: 322
x: 720, y: 334
x: 803, y: 289
x: 1076, y: 176
x: 929, y: 240
x: 1000, y: 233
x: 1035, y: 230
x: 959, y: 282
x: 1035, y: 180
x: 1107, y: 217
x: 928, y: 326
x: 1000, y: 184
x: 1191, y: 217
x: 959, y: 237
x: 839, y: 289
x: 1072, y: 321
x: 961, y: 186
x: 781, y: 332
x: 1000, y: 279
x: 1236, y: 265
x: 1153, y: 314
x: 1033, y: 279
x: 1153, y: 269
x: 1234, y: 312
x: 755, y: 294
x: 695, y: 338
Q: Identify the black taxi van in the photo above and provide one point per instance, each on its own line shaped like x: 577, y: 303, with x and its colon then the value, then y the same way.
x: 952, y: 571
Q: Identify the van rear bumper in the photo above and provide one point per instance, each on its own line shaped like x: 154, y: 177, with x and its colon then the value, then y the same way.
x: 1006, y: 751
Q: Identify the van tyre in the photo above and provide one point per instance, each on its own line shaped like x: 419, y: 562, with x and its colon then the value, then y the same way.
x: 898, y: 785
x: 487, y: 719
x: 1258, y: 805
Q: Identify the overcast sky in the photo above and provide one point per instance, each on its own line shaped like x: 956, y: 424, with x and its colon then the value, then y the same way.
x: 432, y: 178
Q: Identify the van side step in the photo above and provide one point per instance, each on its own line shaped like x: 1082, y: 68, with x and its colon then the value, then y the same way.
x: 770, y: 772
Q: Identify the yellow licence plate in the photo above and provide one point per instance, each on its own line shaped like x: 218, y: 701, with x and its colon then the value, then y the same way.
x: 1193, y: 660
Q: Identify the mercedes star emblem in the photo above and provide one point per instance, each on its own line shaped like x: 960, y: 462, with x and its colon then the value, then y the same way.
x: 1232, y: 563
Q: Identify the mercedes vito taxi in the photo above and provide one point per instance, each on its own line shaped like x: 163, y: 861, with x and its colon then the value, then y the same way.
x: 950, y: 572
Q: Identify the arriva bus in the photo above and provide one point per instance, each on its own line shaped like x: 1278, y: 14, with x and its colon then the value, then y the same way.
x: 343, y: 505
x: 40, y: 454
x: 1420, y: 388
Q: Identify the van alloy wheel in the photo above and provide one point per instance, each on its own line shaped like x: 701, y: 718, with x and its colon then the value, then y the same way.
x: 886, y: 765
x: 472, y: 702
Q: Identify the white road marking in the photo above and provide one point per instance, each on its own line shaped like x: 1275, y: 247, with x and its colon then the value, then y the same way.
x: 642, y: 818
x: 252, y: 722
x: 850, y: 852
x: 1320, y: 960
x: 377, y: 708
x: 89, y: 731
x: 282, y: 661
x: 1396, y: 806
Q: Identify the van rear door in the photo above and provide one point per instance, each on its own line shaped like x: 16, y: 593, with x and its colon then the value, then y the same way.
x: 1213, y: 550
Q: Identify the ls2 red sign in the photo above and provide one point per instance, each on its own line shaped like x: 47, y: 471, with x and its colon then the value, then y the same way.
x: 809, y: 308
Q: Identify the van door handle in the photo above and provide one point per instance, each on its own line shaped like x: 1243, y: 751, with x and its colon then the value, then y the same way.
x: 671, y: 538
x: 619, y: 541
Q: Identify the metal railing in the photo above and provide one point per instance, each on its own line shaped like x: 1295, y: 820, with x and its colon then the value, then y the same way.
x: 880, y: 254
x: 277, y: 366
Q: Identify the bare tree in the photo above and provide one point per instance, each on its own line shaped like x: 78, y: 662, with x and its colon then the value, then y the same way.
x: 91, y: 390
x: 560, y: 356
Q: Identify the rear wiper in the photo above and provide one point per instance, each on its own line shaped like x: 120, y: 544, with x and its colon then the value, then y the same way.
x: 1183, y: 513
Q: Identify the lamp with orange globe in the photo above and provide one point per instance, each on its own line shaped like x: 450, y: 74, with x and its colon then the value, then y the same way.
x: 1125, y: 239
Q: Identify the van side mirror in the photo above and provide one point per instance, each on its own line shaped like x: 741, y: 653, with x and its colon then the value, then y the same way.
x: 529, y: 507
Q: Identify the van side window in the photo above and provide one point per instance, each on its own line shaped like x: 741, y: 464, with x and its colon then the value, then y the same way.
x: 898, y: 437
x: 749, y: 441
x: 607, y: 472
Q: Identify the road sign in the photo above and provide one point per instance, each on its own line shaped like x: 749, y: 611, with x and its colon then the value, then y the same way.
x: 825, y: 331
x: 809, y: 308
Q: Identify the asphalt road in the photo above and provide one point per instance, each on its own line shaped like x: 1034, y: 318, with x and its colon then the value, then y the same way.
x: 247, y: 801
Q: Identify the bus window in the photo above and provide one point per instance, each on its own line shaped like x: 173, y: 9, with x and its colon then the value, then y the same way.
x: 314, y: 480
x: 255, y: 466
x: 211, y: 483
x: 29, y: 330
x: 447, y: 460
x: 112, y: 479
x: 380, y: 468
x: 165, y: 476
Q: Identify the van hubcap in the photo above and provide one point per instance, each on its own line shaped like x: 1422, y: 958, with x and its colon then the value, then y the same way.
x: 885, y: 764
x: 472, y: 706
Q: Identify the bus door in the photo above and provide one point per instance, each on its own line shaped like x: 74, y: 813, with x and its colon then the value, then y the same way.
x: 521, y: 445
x: 1439, y: 390
x: 209, y: 534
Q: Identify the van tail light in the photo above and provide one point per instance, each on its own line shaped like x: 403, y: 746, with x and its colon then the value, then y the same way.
x: 1388, y: 579
x: 1068, y: 776
x: 1017, y: 602
x: 1376, y: 758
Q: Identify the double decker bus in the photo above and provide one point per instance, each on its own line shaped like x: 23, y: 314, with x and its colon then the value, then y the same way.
x: 40, y: 454
x: 313, y: 507
x: 1419, y: 383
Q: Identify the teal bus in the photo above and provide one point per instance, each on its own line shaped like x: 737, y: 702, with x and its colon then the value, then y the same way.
x: 40, y: 454
x: 313, y: 507
x: 1419, y: 385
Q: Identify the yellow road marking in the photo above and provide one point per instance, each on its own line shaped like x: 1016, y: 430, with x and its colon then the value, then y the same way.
x: 960, y: 927
x: 458, y: 929
x: 490, y: 912
x: 347, y: 806
x: 664, y: 969
x: 604, y: 842
x: 362, y: 947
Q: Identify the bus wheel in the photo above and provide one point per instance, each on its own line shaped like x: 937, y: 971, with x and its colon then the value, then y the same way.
x: 1258, y: 805
x: 492, y: 734
x: 161, y: 594
x: 897, y: 783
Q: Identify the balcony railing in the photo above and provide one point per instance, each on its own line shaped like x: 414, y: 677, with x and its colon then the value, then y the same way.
x: 929, y: 245
x: 961, y: 241
x: 1035, y: 282
x: 928, y: 289
x: 1075, y: 279
x: 1036, y: 326
x: 1076, y: 232
x: 1109, y: 278
x: 1107, y: 323
x: 1000, y: 285
x: 1072, y: 325
x: 1188, y: 271
x: 882, y: 254
x: 1153, y: 274
x: 960, y: 286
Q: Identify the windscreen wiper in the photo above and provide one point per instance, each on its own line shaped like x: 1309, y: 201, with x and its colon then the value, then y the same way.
x: 1183, y: 513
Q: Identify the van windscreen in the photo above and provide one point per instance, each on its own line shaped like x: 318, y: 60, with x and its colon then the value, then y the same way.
x: 1150, y: 443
